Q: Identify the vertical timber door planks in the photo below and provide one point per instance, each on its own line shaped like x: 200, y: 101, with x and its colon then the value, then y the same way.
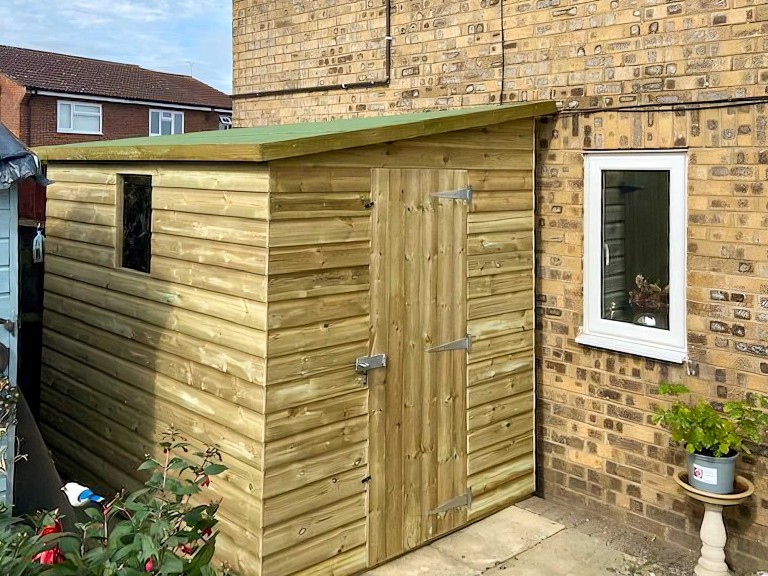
x: 412, y: 360
x: 452, y: 325
x: 418, y: 402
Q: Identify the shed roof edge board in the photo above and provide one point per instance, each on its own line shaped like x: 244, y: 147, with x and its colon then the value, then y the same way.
x: 265, y: 143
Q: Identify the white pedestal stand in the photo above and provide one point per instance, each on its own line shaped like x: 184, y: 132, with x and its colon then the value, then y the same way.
x: 713, y: 536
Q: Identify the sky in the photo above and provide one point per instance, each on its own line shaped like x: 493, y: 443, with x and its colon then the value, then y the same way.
x: 168, y: 35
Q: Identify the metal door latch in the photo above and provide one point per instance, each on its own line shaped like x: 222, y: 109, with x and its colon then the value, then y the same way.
x: 365, y: 363
x: 9, y: 325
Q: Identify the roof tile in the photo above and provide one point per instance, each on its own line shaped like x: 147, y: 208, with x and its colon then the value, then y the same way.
x: 77, y: 75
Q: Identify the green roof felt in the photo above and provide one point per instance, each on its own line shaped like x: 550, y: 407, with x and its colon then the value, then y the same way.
x: 285, y: 140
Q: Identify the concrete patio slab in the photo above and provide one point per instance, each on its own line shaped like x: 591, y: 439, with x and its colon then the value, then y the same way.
x: 568, y: 553
x: 544, y: 538
x: 423, y: 562
x: 497, y: 538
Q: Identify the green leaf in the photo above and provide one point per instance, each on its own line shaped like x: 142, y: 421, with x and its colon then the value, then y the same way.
x: 171, y: 564
x: 179, y: 464
x: 95, y: 514
x: 150, y: 464
x: 214, y: 469
x: 202, y: 557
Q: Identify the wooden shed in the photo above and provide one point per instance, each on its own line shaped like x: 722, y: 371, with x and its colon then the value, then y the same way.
x: 344, y: 308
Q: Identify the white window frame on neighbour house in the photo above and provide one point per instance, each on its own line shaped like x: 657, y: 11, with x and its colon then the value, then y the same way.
x: 651, y: 342
x: 166, y: 115
x: 77, y: 110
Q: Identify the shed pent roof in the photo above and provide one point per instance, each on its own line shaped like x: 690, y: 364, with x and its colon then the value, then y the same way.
x: 265, y: 143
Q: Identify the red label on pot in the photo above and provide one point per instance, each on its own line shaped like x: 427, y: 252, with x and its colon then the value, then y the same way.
x: 704, y: 474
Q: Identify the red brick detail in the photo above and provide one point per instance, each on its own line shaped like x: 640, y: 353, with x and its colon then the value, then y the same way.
x: 31, y: 201
x: 11, y: 105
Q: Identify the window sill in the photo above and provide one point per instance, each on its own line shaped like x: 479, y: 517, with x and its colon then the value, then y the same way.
x: 59, y: 131
x: 646, y: 350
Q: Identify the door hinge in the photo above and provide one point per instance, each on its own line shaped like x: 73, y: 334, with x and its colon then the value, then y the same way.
x: 465, y: 500
x: 463, y: 344
x: 460, y: 194
x: 365, y: 363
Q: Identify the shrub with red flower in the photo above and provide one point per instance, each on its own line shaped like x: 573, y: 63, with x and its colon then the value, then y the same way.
x: 53, y: 555
x: 158, y: 529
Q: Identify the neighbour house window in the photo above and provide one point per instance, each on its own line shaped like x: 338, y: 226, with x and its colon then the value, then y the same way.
x: 135, y: 251
x: 634, y: 253
x: 78, y: 117
x: 163, y: 122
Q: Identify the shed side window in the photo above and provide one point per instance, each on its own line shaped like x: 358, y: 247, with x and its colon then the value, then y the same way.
x: 137, y: 222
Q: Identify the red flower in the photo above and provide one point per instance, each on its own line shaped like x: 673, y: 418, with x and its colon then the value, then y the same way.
x: 205, y: 482
x: 187, y: 549
x: 206, y: 533
x: 149, y: 566
x: 51, y: 528
x: 54, y: 555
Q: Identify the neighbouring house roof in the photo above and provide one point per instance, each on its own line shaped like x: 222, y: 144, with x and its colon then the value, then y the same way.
x: 16, y: 160
x: 39, y: 70
x: 266, y: 143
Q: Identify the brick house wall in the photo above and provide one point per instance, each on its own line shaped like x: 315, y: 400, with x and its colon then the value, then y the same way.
x: 33, y: 118
x: 628, y: 75
x: 12, y: 106
x: 118, y: 121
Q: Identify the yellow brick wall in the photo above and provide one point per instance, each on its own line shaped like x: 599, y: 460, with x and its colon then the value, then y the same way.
x: 628, y: 74
x: 596, y: 443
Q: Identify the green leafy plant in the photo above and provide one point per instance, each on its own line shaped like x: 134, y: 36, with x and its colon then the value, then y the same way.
x: 23, y: 541
x: 164, y: 528
x: 706, y: 430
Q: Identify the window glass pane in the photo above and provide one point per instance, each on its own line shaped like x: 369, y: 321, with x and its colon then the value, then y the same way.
x: 154, y: 123
x: 65, y: 116
x: 178, y: 123
x: 165, y: 126
x: 635, y: 241
x: 137, y: 222
x: 86, y: 109
x: 86, y: 123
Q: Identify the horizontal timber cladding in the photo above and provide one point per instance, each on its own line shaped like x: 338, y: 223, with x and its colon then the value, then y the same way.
x: 128, y: 355
x: 318, y: 297
x: 316, y: 458
x: 245, y: 332
x: 500, y: 398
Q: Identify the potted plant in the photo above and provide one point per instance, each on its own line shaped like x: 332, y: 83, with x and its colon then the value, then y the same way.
x: 713, y: 437
x: 650, y: 303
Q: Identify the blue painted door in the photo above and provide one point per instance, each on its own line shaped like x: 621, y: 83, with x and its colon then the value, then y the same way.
x: 9, y: 302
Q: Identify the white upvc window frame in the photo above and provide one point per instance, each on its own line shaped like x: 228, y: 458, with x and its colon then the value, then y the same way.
x: 667, y: 345
x: 174, y: 114
x: 73, y: 115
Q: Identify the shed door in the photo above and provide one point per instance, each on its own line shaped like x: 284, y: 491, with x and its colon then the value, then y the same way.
x: 9, y: 299
x: 418, y: 431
